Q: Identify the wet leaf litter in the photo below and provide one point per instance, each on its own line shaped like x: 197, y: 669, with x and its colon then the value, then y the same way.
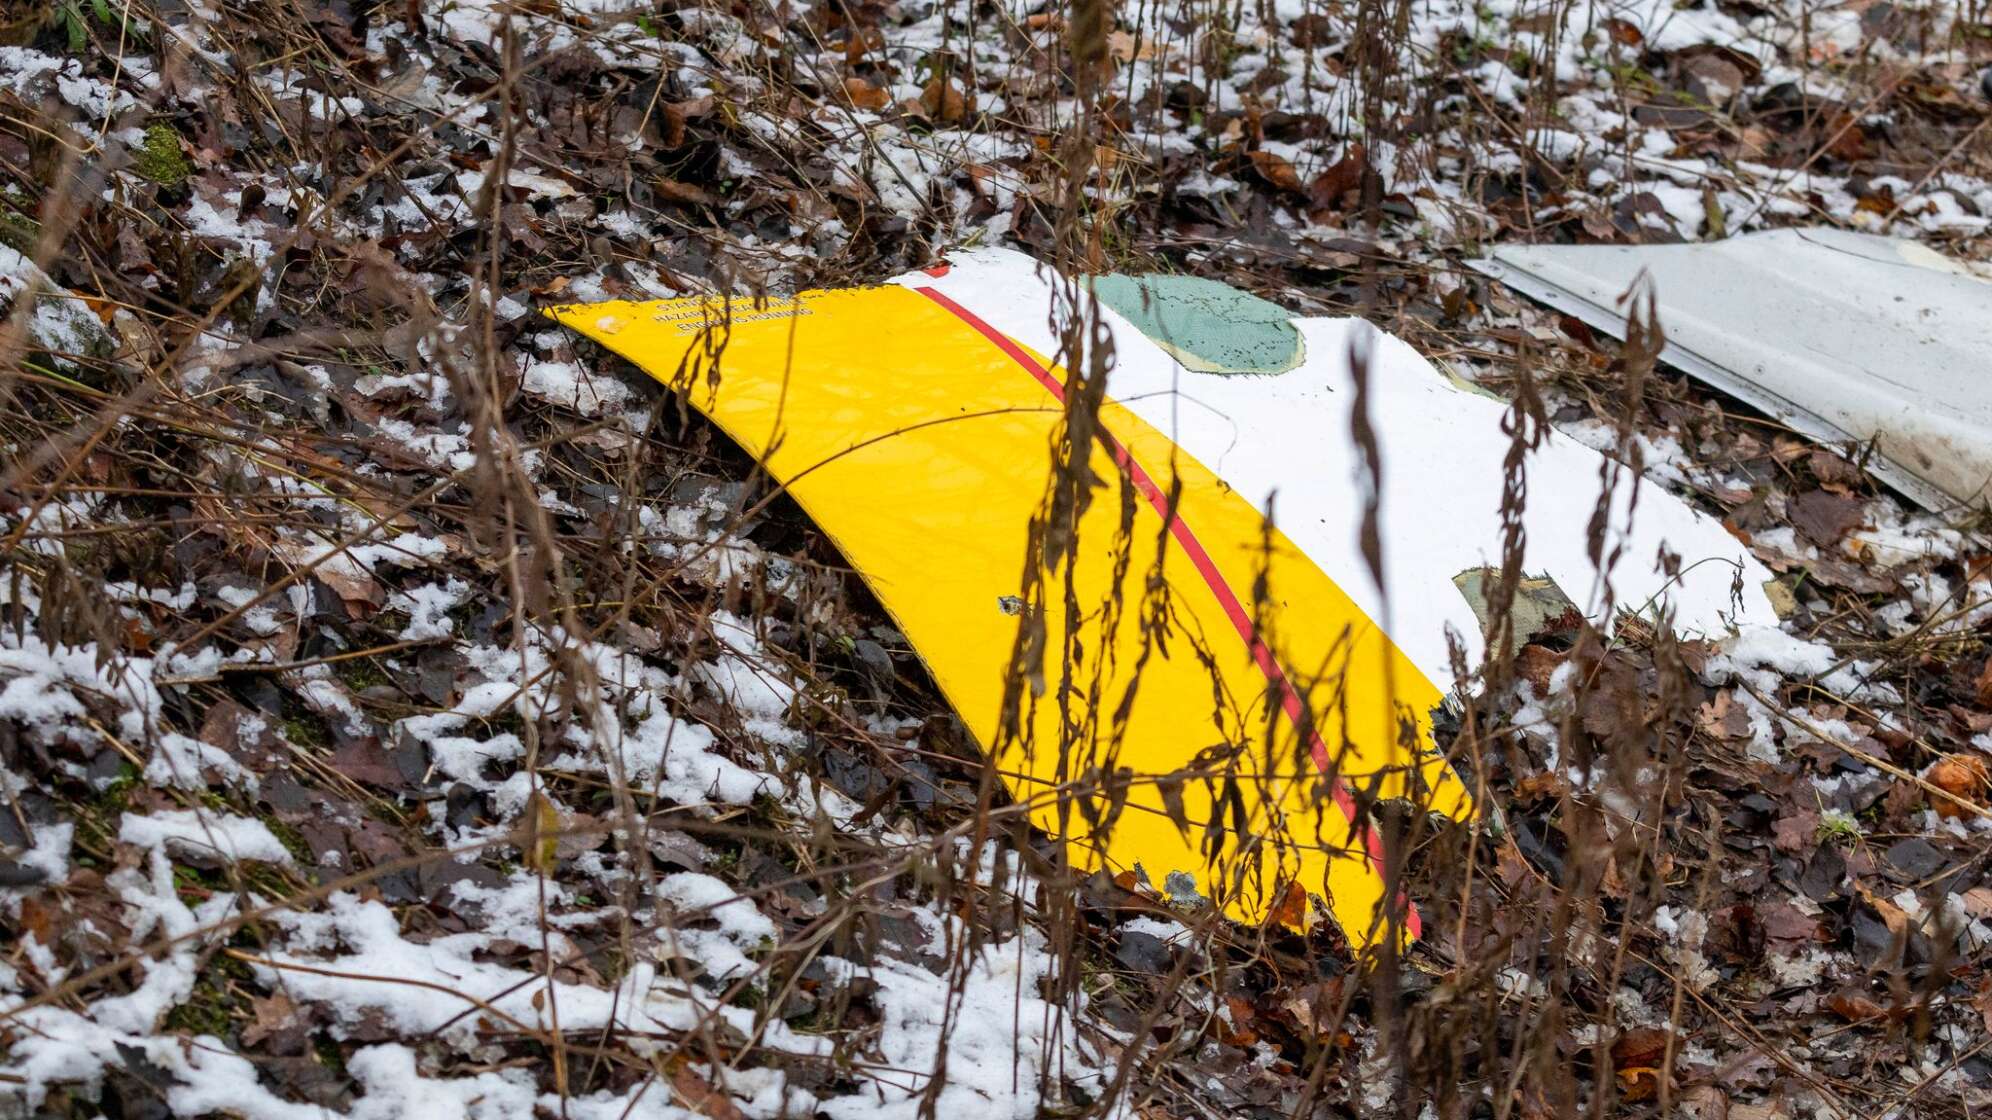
x: 376, y: 566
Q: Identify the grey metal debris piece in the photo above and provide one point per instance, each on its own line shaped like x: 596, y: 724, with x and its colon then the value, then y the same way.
x: 1181, y: 887
x: 1847, y: 337
x: 1539, y: 605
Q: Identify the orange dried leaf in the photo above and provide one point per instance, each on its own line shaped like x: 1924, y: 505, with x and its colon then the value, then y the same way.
x: 1624, y: 33
x: 1292, y: 909
x: 702, y: 1097
x: 1856, y: 1007
x: 1639, y: 1047
x: 1637, y: 1057
x: 865, y: 95
x: 1234, y: 1022
x: 943, y: 101
x: 1638, y: 1083
x: 1275, y: 170
x: 1960, y: 775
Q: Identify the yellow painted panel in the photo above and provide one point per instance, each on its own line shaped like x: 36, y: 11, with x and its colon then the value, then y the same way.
x: 920, y: 440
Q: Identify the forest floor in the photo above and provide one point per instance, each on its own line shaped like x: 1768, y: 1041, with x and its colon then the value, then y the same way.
x: 397, y: 719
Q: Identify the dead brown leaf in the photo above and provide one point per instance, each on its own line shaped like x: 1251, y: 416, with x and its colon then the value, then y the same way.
x: 1234, y: 1022
x: 540, y: 835
x: 1277, y: 172
x: 1125, y: 46
x: 943, y: 102
x: 677, y: 114
x: 1978, y: 902
x: 1707, y: 1102
x: 275, y: 1016
x: 1724, y: 718
x: 1825, y: 518
x: 1796, y: 832
x: 1637, y: 1056
x: 1293, y: 910
x: 1750, y: 1069
x: 1833, y: 472
x: 1316, y: 1009
x: 1340, y: 187
x: 1856, y: 1006
x: 1960, y: 775
x: 687, y: 194
x: 1536, y: 664
x: 1783, y: 922
x: 865, y: 95
x: 701, y: 1097
x: 355, y: 586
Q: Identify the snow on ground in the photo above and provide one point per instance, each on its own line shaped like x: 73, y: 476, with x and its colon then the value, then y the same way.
x: 385, y: 813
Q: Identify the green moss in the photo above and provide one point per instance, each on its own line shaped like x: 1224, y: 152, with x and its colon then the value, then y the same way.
x: 306, y: 732
x: 361, y: 673
x: 158, y: 159
x: 290, y: 838
x: 329, y: 1055
x: 211, y: 1008
x: 115, y: 795
x: 18, y: 231
x: 99, y: 818
x: 723, y: 862
x: 611, y: 965
x: 267, y: 880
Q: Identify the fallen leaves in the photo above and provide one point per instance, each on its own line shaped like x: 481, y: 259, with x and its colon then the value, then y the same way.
x: 1536, y: 664
x: 1339, y: 188
x: 865, y: 95
x: 275, y: 1018
x: 1825, y: 518
x: 653, y: 182
x: 1637, y: 1059
x: 1963, y: 776
x: 1276, y: 171
x: 701, y: 1097
x: 1856, y: 1006
x: 683, y: 193
x: 1233, y: 1022
x: 943, y: 102
x: 1786, y: 926
x: 1319, y: 1011
x: 540, y: 829
x: 678, y: 114
x: 1294, y: 910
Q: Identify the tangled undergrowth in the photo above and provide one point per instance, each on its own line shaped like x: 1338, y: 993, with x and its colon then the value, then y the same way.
x: 398, y: 715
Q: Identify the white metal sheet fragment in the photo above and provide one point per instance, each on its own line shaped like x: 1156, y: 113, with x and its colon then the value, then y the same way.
x: 1848, y: 337
x: 1283, y: 442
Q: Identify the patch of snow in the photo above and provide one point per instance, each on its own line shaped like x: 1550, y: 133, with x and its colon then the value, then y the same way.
x: 428, y: 608
x: 205, y: 833
x: 567, y: 385
x: 722, y: 953
x: 1002, y: 1039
